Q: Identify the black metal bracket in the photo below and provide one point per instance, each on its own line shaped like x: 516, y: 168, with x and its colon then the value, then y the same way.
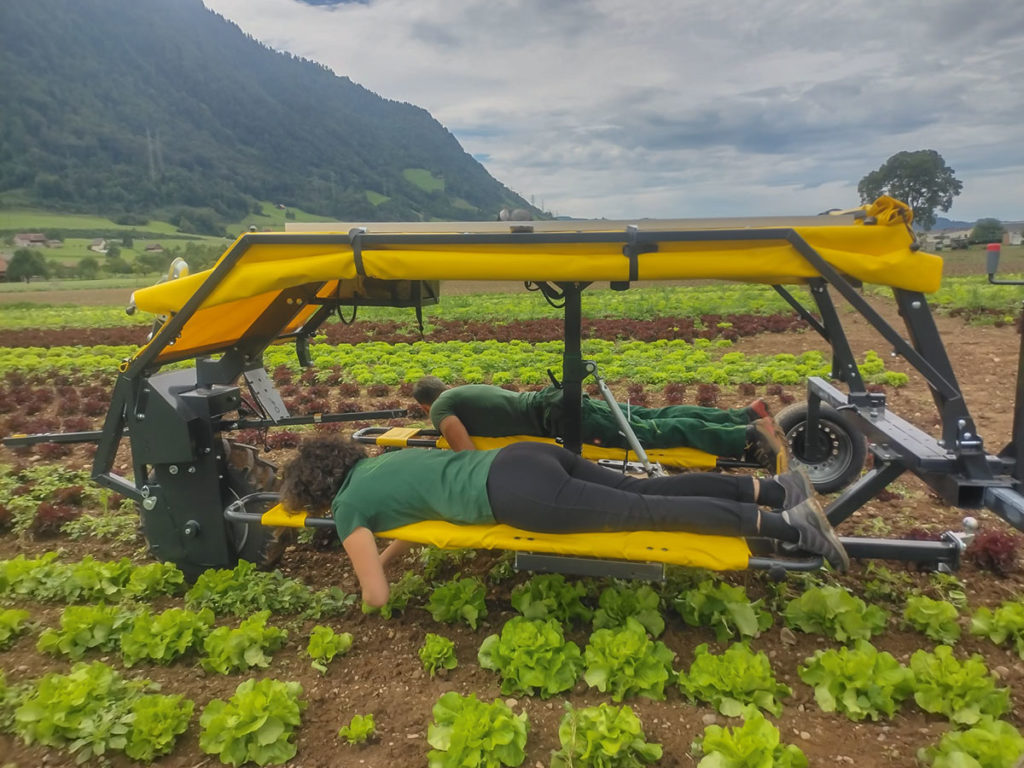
x: 588, y: 566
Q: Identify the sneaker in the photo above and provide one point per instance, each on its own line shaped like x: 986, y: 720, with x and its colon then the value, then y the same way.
x: 768, y: 446
x: 797, y: 484
x: 816, y: 534
x: 759, y: 410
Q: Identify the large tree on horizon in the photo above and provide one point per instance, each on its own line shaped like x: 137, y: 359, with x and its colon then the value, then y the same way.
x: 920, y: 179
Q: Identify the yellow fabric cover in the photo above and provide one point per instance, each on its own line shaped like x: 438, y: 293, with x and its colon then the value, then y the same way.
x: 876, y: 253
x: 720, y: 553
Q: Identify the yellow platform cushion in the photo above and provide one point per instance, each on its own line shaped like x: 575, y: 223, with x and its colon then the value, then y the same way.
x: 682, y: 458
x: 719, y: 553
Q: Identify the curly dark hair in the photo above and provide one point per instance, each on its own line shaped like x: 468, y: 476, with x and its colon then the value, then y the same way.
x: 314, y: 475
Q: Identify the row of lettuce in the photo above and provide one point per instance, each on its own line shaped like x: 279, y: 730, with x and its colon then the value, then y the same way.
x: 94, y: 710
x: 492, y: 362
x: 648, y: 301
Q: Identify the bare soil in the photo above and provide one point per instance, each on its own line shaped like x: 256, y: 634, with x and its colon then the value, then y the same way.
x: 382, y: 674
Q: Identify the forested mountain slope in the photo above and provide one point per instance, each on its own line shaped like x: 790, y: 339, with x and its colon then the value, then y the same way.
x: 148, y: 105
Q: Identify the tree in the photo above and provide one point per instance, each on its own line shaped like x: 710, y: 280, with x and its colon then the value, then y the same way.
x: 920, y: 179
x: 59, y: 269
x: 118, y: 266
x: 987, y: 231
x: 26, y: 264
x: 88, y: 268
x: 149, y: 261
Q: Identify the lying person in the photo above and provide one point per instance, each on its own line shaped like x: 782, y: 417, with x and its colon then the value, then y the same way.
x: 535, y: 487
x: 487, y: 411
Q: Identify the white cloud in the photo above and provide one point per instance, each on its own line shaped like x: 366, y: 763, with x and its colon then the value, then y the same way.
x: 625, y: 108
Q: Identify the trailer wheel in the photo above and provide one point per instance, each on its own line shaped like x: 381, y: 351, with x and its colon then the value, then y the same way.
x: 248, y: 472
x: 842, y: 449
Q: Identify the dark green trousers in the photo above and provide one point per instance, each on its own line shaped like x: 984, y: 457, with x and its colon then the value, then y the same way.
x: 721, y: 431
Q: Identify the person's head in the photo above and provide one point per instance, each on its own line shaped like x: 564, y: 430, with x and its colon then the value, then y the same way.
x: 314, y: 475
x: 427, y: 390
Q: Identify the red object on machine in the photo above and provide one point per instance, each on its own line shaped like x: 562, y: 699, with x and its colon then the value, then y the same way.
x: 993, y: 247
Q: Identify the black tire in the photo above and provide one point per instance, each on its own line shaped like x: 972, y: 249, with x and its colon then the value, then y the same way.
x: 847, y: 449
x: 248, y: 472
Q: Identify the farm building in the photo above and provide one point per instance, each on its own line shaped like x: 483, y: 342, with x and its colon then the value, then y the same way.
x: 30, y: 239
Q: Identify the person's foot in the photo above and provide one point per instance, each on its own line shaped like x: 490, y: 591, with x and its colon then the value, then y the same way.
x: 759, y: 409
x: 816, y: 533
x: 797, y: 484
x: 767, y: 445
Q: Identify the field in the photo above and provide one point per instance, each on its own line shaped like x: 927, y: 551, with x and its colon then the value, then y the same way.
x: 78, y: 231
x: 709, y: 345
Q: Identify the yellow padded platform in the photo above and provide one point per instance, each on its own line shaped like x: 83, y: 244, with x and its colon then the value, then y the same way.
x: 681, y: 458
x: 277, y: 517
x: 719, y: 553
x: 397, y: 437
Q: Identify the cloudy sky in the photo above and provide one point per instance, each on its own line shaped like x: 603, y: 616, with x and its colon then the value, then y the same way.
x: 678, y: 108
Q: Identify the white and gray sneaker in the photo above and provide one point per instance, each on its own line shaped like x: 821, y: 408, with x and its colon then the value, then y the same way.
x: 816, y: 534
x: 797, y: 484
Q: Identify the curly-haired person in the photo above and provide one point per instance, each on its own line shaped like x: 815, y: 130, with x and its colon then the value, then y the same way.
x: 535, y: 487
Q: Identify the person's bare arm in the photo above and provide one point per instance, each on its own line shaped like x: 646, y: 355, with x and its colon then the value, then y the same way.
x: 393, y: 551
x: 454, y: 431
x: 361, y: 547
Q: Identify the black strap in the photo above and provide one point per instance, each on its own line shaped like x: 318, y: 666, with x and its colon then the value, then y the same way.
x: 551, y: 294
x: 633, y: 248
x: 355, y: 237
x: 341, y: 318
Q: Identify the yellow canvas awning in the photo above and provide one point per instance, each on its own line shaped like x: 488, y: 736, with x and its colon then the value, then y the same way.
x: 875, y: 246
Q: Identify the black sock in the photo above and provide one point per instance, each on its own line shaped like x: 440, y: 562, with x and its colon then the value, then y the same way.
x: 774, y: 527
x: 770, y: 494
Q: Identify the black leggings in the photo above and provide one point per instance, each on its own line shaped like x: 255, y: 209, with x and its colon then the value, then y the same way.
x: 545, y: 488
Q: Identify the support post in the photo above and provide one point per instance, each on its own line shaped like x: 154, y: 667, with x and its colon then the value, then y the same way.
x: 572, y: 367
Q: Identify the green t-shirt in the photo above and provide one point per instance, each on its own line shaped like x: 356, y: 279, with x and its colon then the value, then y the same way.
x: 414, y: 485
x: 489, y: 411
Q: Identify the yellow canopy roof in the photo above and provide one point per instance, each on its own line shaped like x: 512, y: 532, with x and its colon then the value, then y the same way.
x: 875, y: 245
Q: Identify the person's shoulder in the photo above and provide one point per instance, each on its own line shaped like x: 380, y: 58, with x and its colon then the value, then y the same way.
x: 467, y: 392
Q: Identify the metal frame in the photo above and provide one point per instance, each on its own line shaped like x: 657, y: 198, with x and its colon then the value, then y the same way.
x: 174, y: 418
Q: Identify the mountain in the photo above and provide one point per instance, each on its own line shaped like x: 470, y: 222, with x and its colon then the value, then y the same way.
x: 941, y: 222
x: 146, y: 106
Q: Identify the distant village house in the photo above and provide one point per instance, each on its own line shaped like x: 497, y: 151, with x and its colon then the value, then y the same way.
x: 154, y: 248
x: 948, y: 239
x: 99, y: 245
x: 30, y: 239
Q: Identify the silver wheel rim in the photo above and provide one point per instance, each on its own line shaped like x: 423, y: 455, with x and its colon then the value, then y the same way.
x: 840, y: 452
